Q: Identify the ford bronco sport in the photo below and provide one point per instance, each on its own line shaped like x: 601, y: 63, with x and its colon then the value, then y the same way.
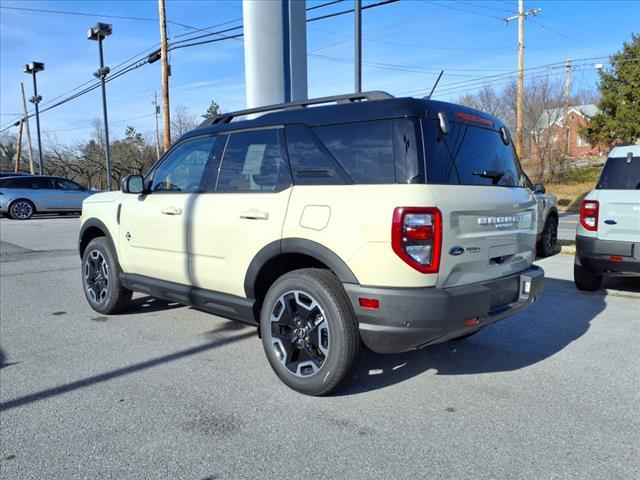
x: 608, y: 235
x: 328, y: 223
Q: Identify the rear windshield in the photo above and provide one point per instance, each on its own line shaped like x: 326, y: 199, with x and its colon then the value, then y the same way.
x: 470, y: 155
x: 620, y: 174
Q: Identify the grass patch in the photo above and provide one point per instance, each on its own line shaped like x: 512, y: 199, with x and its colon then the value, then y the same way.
x: 586, y: 174
x: 570, y: 195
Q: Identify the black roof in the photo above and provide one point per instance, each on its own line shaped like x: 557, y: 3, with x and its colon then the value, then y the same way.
x: 347, y: 112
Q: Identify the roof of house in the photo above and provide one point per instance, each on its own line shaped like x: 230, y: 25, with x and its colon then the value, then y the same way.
x: 554, y: 115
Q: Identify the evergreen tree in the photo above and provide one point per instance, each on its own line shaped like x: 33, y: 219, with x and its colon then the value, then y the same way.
x: 212, y: 111
x: 619, y: 116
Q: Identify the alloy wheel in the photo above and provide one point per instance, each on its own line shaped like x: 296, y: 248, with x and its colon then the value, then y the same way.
x: 96, y: 275
x: 22, y: 210
x: 299, y: 333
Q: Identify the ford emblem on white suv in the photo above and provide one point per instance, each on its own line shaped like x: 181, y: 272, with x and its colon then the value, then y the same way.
x: 456, y: 251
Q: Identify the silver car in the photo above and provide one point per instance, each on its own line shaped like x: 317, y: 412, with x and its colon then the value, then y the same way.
x: 21, y: 197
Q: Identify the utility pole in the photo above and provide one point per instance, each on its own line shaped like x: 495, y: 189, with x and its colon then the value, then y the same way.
x: 565, y: 105
x: 26, y: 120
x: 520, y: 102
x: 358, y: 45
x: 19, y: 149
x: 166, y: 112
x: 156, y: 112
x: 33, y: 68
x: 99, y: 33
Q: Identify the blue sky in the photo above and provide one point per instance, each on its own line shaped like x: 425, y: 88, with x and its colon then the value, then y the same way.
x: 405, y: 44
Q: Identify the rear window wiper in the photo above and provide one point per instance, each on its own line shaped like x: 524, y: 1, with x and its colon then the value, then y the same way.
x: 494, y: 175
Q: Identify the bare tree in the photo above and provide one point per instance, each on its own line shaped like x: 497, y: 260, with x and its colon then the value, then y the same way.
x: 182, y: 120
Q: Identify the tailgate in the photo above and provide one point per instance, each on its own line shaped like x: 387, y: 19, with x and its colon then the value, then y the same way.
x: 619, y: 215
x: 488, y: 232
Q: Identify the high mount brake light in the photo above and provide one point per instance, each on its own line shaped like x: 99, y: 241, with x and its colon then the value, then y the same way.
x: 589, y: 215
x: 467, y: 117
x: 416, y: 237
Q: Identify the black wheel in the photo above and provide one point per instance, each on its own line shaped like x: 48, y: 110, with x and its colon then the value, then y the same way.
x: 309, y: 331
x: 586, y: 279
x: 22, y: 210
x: 100, y: 280
x: 547, y: 243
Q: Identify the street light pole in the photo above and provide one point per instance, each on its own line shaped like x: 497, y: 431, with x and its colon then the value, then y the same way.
x: 33, y: 68
x: 99, y: 32
x: 358, y: 45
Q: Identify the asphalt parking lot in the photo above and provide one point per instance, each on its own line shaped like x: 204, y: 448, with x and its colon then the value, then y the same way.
x: 168, y: 392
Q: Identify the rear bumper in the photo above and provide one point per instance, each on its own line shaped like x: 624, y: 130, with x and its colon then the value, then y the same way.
x: 409, y: 318
x: 595, y: 255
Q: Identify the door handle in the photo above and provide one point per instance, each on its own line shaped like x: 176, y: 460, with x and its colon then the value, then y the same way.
x: 254, y: 214
x: 171, y: 211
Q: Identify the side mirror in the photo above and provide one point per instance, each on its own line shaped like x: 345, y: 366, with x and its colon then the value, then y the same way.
x: 539, y: 188
x: 133, y: 184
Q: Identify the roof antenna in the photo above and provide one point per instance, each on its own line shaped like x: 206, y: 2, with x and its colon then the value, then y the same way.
x: 428, y: 97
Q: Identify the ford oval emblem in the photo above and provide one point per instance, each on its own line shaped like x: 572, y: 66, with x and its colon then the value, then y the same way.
x: 456, y: 251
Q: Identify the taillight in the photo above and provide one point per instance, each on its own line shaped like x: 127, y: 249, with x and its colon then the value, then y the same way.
x: 416, y: 237
x: 589, y: 215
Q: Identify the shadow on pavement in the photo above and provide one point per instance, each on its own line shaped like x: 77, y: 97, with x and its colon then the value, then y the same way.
x: 514, y: 343
x: 148, y: 304
x: 219, y: 341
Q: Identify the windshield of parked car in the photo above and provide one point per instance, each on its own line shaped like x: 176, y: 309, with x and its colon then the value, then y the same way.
x: 620, y: 174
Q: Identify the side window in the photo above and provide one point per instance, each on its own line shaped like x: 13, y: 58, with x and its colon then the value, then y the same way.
x: 253, y: 162
x: 63, y: 184
x: 40, y: 184
x: 364, y: 149
x: 406, y: 151
x: 183, y: 169
x: 310, y: 162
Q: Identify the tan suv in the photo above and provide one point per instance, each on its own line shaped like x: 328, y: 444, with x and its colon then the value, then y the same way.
x: 396, y: 223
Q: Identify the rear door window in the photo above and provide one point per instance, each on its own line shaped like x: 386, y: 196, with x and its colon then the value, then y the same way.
x: 363, y: 149
x: 254, y: 162
x: 620, y: 174
x: 460, y: 157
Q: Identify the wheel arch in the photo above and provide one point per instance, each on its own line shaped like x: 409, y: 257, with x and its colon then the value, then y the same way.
x: 12, y: 202
x: 92, y: 228
x: 282, y: 256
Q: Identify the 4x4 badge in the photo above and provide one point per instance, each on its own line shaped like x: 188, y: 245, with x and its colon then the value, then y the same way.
x: 456, y: 251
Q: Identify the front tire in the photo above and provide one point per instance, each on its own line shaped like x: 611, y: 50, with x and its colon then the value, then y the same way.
x: 547, y: 244
x: 22, y: 210
x: 309, y: 331
x: 100, y: 278
x: 585, y: 279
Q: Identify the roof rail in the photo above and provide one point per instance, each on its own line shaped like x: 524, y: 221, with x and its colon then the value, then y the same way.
x: 350, y: 98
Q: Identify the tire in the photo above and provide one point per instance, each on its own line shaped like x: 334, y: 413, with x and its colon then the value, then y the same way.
x: 312, y: 342
x: 585, y: 279
x: 547, y: 244
x: 100, y: 278
x: 22, y: 209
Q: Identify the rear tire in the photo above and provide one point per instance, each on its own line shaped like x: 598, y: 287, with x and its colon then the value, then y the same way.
x: 585, y: 279
x: 22, y: 209
x: 549, y: 238
x: 309, y: 331
x: 101, y: 278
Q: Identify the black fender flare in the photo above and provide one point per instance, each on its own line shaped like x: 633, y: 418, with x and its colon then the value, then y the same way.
x: 296, y: 245
x: 94, y: 223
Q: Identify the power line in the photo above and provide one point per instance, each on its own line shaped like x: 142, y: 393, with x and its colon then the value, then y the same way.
x: 177, y: 45
x: 566, y: 36
x: 465, y: 10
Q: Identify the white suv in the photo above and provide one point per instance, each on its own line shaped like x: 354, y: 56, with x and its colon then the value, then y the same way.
x: 608, y: 235
x: 396, y: 223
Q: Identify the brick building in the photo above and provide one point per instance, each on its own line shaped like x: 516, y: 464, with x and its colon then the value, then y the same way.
x: 551, y: 131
